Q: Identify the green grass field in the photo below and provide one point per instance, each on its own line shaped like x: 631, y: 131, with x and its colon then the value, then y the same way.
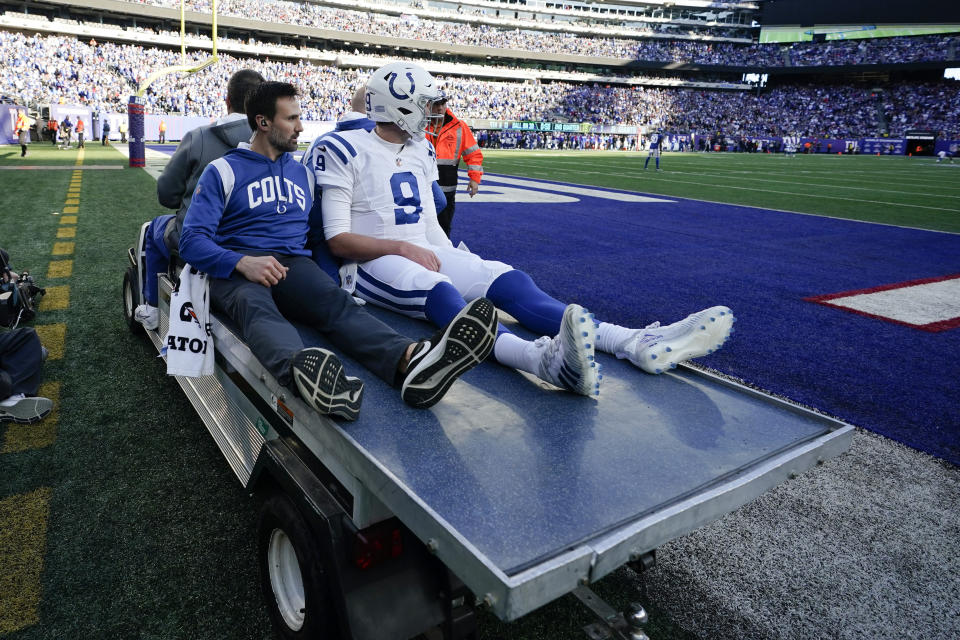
x: 119, y: 517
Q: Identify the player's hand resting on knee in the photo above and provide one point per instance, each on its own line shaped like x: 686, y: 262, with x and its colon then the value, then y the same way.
x: 424, y: 257
x: 265, y: 270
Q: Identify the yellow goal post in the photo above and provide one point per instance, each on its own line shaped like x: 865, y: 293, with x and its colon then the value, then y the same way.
x: 184, y: 67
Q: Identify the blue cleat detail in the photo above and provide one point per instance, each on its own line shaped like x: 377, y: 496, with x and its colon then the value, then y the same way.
x: 568, y: 360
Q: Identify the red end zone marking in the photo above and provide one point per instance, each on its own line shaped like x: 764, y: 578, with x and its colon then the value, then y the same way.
x: 868, y: 302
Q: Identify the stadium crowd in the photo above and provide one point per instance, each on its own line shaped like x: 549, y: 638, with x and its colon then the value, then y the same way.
x: 835, y: 52
x: 61, y: 69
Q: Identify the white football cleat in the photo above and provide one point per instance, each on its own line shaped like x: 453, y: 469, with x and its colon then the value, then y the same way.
x: 656, y: 349
x: 567, y: 360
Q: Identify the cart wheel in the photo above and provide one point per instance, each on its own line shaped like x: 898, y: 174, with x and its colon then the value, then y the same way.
x: 291, y: 573
x: 130, y: 300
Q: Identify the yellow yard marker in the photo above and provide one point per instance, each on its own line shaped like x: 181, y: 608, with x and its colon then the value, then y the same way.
x: 60, y: 268
x: 56, y: 298
x: 23, y: 540
x: 62, y: 248
x: 53, y: 337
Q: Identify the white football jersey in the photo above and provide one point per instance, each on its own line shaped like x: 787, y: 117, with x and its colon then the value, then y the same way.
x: 391, y: 183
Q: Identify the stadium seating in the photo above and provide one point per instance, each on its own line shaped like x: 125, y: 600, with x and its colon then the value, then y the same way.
x: 98, y: 67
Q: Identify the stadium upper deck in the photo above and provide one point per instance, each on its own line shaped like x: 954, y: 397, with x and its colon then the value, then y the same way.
x: 462, y: 36
x: 626, y: 94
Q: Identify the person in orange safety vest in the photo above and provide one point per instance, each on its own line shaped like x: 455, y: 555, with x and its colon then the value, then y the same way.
x: 22, y: 128
x: 80, y: 128
x: 453, y: 140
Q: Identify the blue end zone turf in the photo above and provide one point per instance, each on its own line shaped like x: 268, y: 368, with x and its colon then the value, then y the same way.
x: 636, y: 262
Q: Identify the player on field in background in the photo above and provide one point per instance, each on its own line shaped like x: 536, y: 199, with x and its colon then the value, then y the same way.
x: 656, y: 141
x: 378, y: 211
x: 790, y: 144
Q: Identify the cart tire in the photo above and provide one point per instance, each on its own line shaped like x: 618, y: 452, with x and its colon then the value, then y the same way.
x: 292, y: 577
x: 130, y: 281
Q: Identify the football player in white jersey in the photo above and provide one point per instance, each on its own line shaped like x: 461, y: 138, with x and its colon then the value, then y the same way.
x: 790, y: 144
x: 378, y: 215
x: 656, y: 144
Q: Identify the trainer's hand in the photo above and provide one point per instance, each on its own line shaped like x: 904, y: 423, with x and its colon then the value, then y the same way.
x: 424, y: 257
x: 473, y: 187
x: 265, y: 270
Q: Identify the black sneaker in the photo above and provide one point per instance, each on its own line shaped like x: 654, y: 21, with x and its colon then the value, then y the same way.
x: 323, y: 385
x: 27, y: 410
x: 451, y: 352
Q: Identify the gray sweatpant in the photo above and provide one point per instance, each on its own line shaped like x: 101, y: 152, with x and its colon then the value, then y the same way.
x: 309, y: 296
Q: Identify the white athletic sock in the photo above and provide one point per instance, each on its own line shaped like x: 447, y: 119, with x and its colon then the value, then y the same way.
x: 513, y: 351
x: 610, y: 337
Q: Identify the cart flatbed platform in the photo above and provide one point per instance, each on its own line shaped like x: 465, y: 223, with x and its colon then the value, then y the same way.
x: 524, y: 491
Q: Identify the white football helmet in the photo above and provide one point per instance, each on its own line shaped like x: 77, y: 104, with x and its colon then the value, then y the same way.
x: 402, y: 93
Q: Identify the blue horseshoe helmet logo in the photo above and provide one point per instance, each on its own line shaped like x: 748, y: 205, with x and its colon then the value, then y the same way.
x: 401, y: 96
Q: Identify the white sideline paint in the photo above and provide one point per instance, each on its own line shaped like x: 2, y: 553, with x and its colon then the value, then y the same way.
x: 498, y: 193
x: 566, y: 188
x: 914, y: 304
x: 154, y: 161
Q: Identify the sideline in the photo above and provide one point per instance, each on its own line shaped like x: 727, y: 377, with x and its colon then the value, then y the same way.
x: 24, y: 518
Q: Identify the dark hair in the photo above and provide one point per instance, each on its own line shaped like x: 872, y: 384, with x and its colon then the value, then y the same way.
x: 262, y: 101
x: 241, y: 84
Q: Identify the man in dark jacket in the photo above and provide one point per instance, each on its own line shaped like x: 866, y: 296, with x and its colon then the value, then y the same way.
x: 21, y: 360
x: 175, y: 186
x: 200, y: 147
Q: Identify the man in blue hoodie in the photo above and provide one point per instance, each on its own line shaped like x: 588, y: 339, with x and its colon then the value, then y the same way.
x: 247, y: 228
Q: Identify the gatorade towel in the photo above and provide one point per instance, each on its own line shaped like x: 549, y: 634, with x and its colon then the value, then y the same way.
x: 135, y: 109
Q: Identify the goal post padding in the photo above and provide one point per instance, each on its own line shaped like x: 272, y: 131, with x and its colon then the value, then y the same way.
x: 135, y: 112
